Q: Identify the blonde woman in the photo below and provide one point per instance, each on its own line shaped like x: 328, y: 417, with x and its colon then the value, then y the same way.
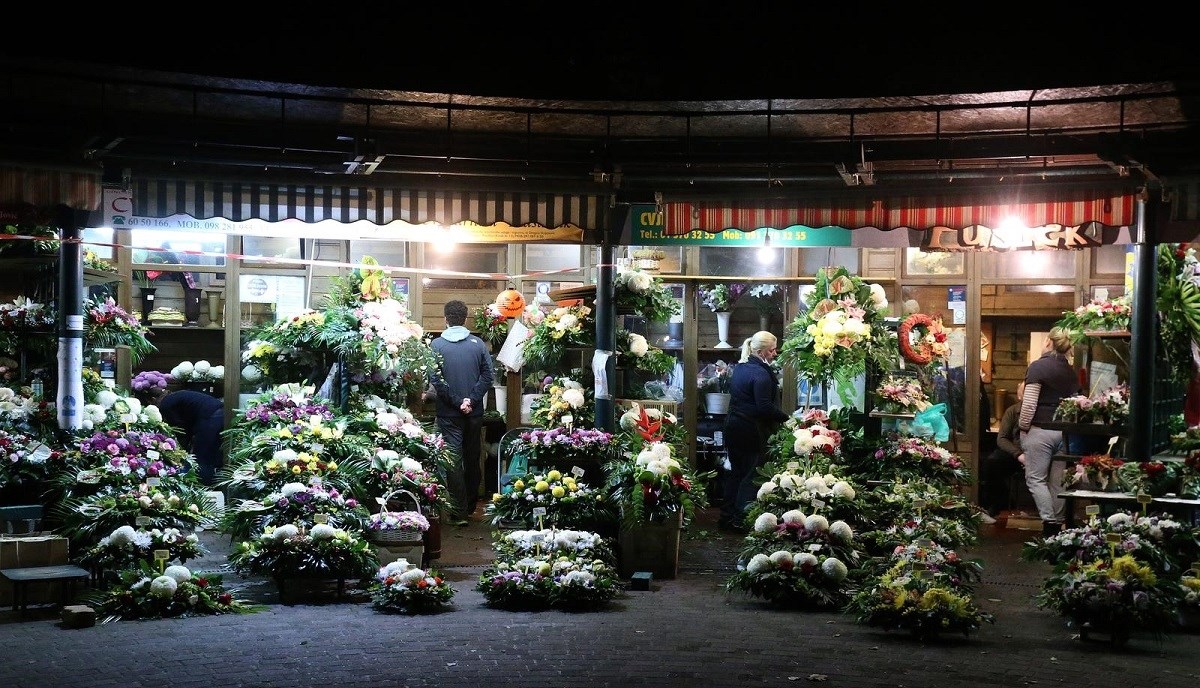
x: 753, y: 417
x: 1047, y: 381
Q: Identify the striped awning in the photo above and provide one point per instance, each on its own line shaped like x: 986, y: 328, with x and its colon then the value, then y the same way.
x: 378, y: 205
x: 40, y: 188
x: 1066, y: 207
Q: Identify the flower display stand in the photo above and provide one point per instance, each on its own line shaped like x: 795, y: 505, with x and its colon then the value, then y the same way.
x: 651, y: 547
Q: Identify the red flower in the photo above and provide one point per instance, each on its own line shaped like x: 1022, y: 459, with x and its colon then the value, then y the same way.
x: 225, y: 599
x: 202, y: 582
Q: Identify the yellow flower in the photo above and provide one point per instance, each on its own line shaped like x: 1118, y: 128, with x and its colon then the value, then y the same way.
x: 1127, y: 568
x: 332, y: 465
x: 553, y: 475
x: 900, y: 599
x: 284, y: 432
x: 496, y: 497
x: 296, y: 470
x: 558, y: 491
x: 519, y: 485
x: 542, y: 486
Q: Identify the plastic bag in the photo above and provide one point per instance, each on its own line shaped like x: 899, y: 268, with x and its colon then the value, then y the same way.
x: 932, y: 423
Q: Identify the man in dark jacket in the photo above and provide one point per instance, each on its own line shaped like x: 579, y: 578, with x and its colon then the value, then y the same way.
x: 201, y: 418
x: 461, y: 384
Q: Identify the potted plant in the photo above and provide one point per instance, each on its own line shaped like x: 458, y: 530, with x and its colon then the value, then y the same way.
x: 713, y: 380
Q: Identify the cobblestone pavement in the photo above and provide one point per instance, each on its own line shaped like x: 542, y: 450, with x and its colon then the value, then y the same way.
x: 683, y: 632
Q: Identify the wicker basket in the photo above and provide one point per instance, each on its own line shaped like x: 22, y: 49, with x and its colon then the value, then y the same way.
x: 396, y: 537
x: 664, y: 405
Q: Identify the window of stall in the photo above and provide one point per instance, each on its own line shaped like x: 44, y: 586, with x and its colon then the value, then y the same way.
x: 918, y: 263
x: 726, y: 261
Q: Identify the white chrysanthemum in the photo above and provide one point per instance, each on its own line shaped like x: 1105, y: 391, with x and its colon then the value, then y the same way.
x: 153, y: 414
x: 323, y: 531
x: 638, y: 346
x: 765, y: 523
x: 142, y: 539
x: 217, y: 372
x: 284, y: 455
x: 1119, y: 518
x: 759, y: 563
x: 184, y: 369
x: 251, y: 373
x: 573, y: 397
x: 201, y: 367
x: 179, y: 573
x: 793, y: 516
x: 163, y: 586
x: 145, y: 502
x: 802, y: 559
x: 122, y: 536
x: 572, y: 384
x: 766, y: 489
x: 816, y: 484
x: 412, y: 576
x: 878, y: 297
x: 842, y: 489
x: 781, y: 559
x: 640, y: 281
x: 290, y: 489
x: 579, y: 577
x: 387, y: 456
x: 395, y: 567
x: 134, y: 404
x: 834, y: 568
x: 106, y: 398
x: 410, y: 464
x: 285, y: 531
x: 629, y: 420
x: 841, y: 530
x: 788, y: 481
x: 816, y: 522
x: 661, y: 450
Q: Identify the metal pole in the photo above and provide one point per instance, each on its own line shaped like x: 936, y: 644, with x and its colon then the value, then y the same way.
x: 70, y: 324
x: 1142, y: 337
x: 606, y: 314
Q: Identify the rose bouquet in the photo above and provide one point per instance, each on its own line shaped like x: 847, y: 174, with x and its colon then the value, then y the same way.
x: 926, y: 602
x: 898, y: 394
x: 292, y: 551
x: 839, y: 332
x: 806, y: 438
x: 144, y: 593
x: 915, y: 457
x: 127, y: 547
x: 546, y: 580
x: 654, y: 487
x: 721, y: 297
x: 565, y: 402
x: 1076, y: 408
x: 640, y: 293
x: 297, y: 503
x: 403, y: 588
x: 567, y: 502
x: 1115, y: 596
x: 1099, y: 470
x: 563, y: 327
x: 517, y: 544
x: 108, y: 325
x: 491, y: 324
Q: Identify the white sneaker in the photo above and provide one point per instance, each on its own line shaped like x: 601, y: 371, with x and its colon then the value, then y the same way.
x: 986, y: 518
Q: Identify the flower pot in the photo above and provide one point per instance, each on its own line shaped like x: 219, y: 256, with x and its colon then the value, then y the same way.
x: 652, y: 547
x: 717, y: 402
x: 723, y: 330
x: 764, y: 321
x: 674, y: 334
x: 501, y: 400
x: 214, y: 308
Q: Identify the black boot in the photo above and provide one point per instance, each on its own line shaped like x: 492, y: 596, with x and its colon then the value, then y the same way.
x: 1051, y: 528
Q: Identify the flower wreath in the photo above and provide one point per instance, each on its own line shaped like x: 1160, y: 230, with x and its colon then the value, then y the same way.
x: 931, y: 340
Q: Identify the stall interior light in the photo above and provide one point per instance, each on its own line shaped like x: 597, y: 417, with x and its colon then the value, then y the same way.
x: 766, y: 254
x: 444, y: 244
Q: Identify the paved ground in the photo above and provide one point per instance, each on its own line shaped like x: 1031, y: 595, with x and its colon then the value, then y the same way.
x: 684, y: 632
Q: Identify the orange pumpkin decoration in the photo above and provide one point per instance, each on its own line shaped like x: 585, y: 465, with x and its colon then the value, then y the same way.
x: 511, y: 303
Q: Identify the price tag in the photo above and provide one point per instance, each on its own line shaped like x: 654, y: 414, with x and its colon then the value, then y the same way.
x: 142, y: 521
x: 88, y: 477
x: 1092, y: 510
x: 539, y: 511
x: 793, y: 465
x: 919, y: 573
x: 923, y: 543
x: 567, y: 420
x: 814, y: 547
x: 152, y: 454
x: 39, y: 454
x: 577, y: 471
x: 817, y: 504
x: 162, y: 554
x: 153, y: 482
x: 919, y: 503
x: 1112, y: 538
x: 1143, y: 498
x: 321, y: 518
x: 1111, y: 441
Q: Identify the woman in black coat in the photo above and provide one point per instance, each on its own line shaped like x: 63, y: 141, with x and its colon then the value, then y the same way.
x: 753, y: 417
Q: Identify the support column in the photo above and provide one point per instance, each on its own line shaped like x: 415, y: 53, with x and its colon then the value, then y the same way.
x: 1143, y: 335
x: 70, y: 323
x: 606, y: 314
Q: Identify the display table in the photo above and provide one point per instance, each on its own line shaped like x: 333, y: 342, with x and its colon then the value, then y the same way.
x: 1186, y: 508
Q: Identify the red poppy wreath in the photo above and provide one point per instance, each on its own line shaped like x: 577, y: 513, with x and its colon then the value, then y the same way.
x: 930, y: 339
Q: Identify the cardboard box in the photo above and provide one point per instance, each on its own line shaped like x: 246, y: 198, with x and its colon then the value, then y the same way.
x: 24, y: 551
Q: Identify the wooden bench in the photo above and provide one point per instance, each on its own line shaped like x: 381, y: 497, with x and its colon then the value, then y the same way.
x: 22, y: 577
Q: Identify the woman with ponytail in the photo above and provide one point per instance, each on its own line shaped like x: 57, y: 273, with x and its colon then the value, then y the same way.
x: 1047, y: 381
x: 753, y: 417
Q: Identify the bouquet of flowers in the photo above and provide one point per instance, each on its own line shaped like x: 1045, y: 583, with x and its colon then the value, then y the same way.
x: 411, y: 523
x: 925, y: 554
x: 395, y: 428
x: 1158, y: 540
x: 792, y: 488
x: 721, y: 297
x: 517, y: 544
x: 567, y: 502
x: 926, y: 602
x: 1076, y: 408
x: 636, y: 350
x: 26, y: 460
x: 143, y: 593
x: 565, y: 402
x: 840, y: 332
x: 390, y: 471
x: 546, y: 580
x: 915, y: 457
x: 901, y: 394
x: 111, y: 411
x: 292, y: 551
x: 491, y: 324
x: 279, y: 362
x: 297, y: 503
x: 1110, y: 407
x: 654, y: 487
x: 715, y: 377
x: 1115, y: 596
x: 127, y: 547
x: 115, y: 459
x: 641, y: 425
x: 107, y: 325
x: 285, y: 406
x: 182, y: 507
x: 401, y: 587
x: 766, y: 298
x: 1097, y: 315
x: 299, y: 452
x: 94, y: 262
x: 640, y: 293
x: 563, y: 327
x: 796, y: 560
x: 807, y: 436
x: 564, y: 447
x: 1154, y: 478
x: 149, y: 381
x: 1099, y: 470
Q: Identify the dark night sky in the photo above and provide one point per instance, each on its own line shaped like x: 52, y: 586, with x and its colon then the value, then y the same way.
x: 640, y: 51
